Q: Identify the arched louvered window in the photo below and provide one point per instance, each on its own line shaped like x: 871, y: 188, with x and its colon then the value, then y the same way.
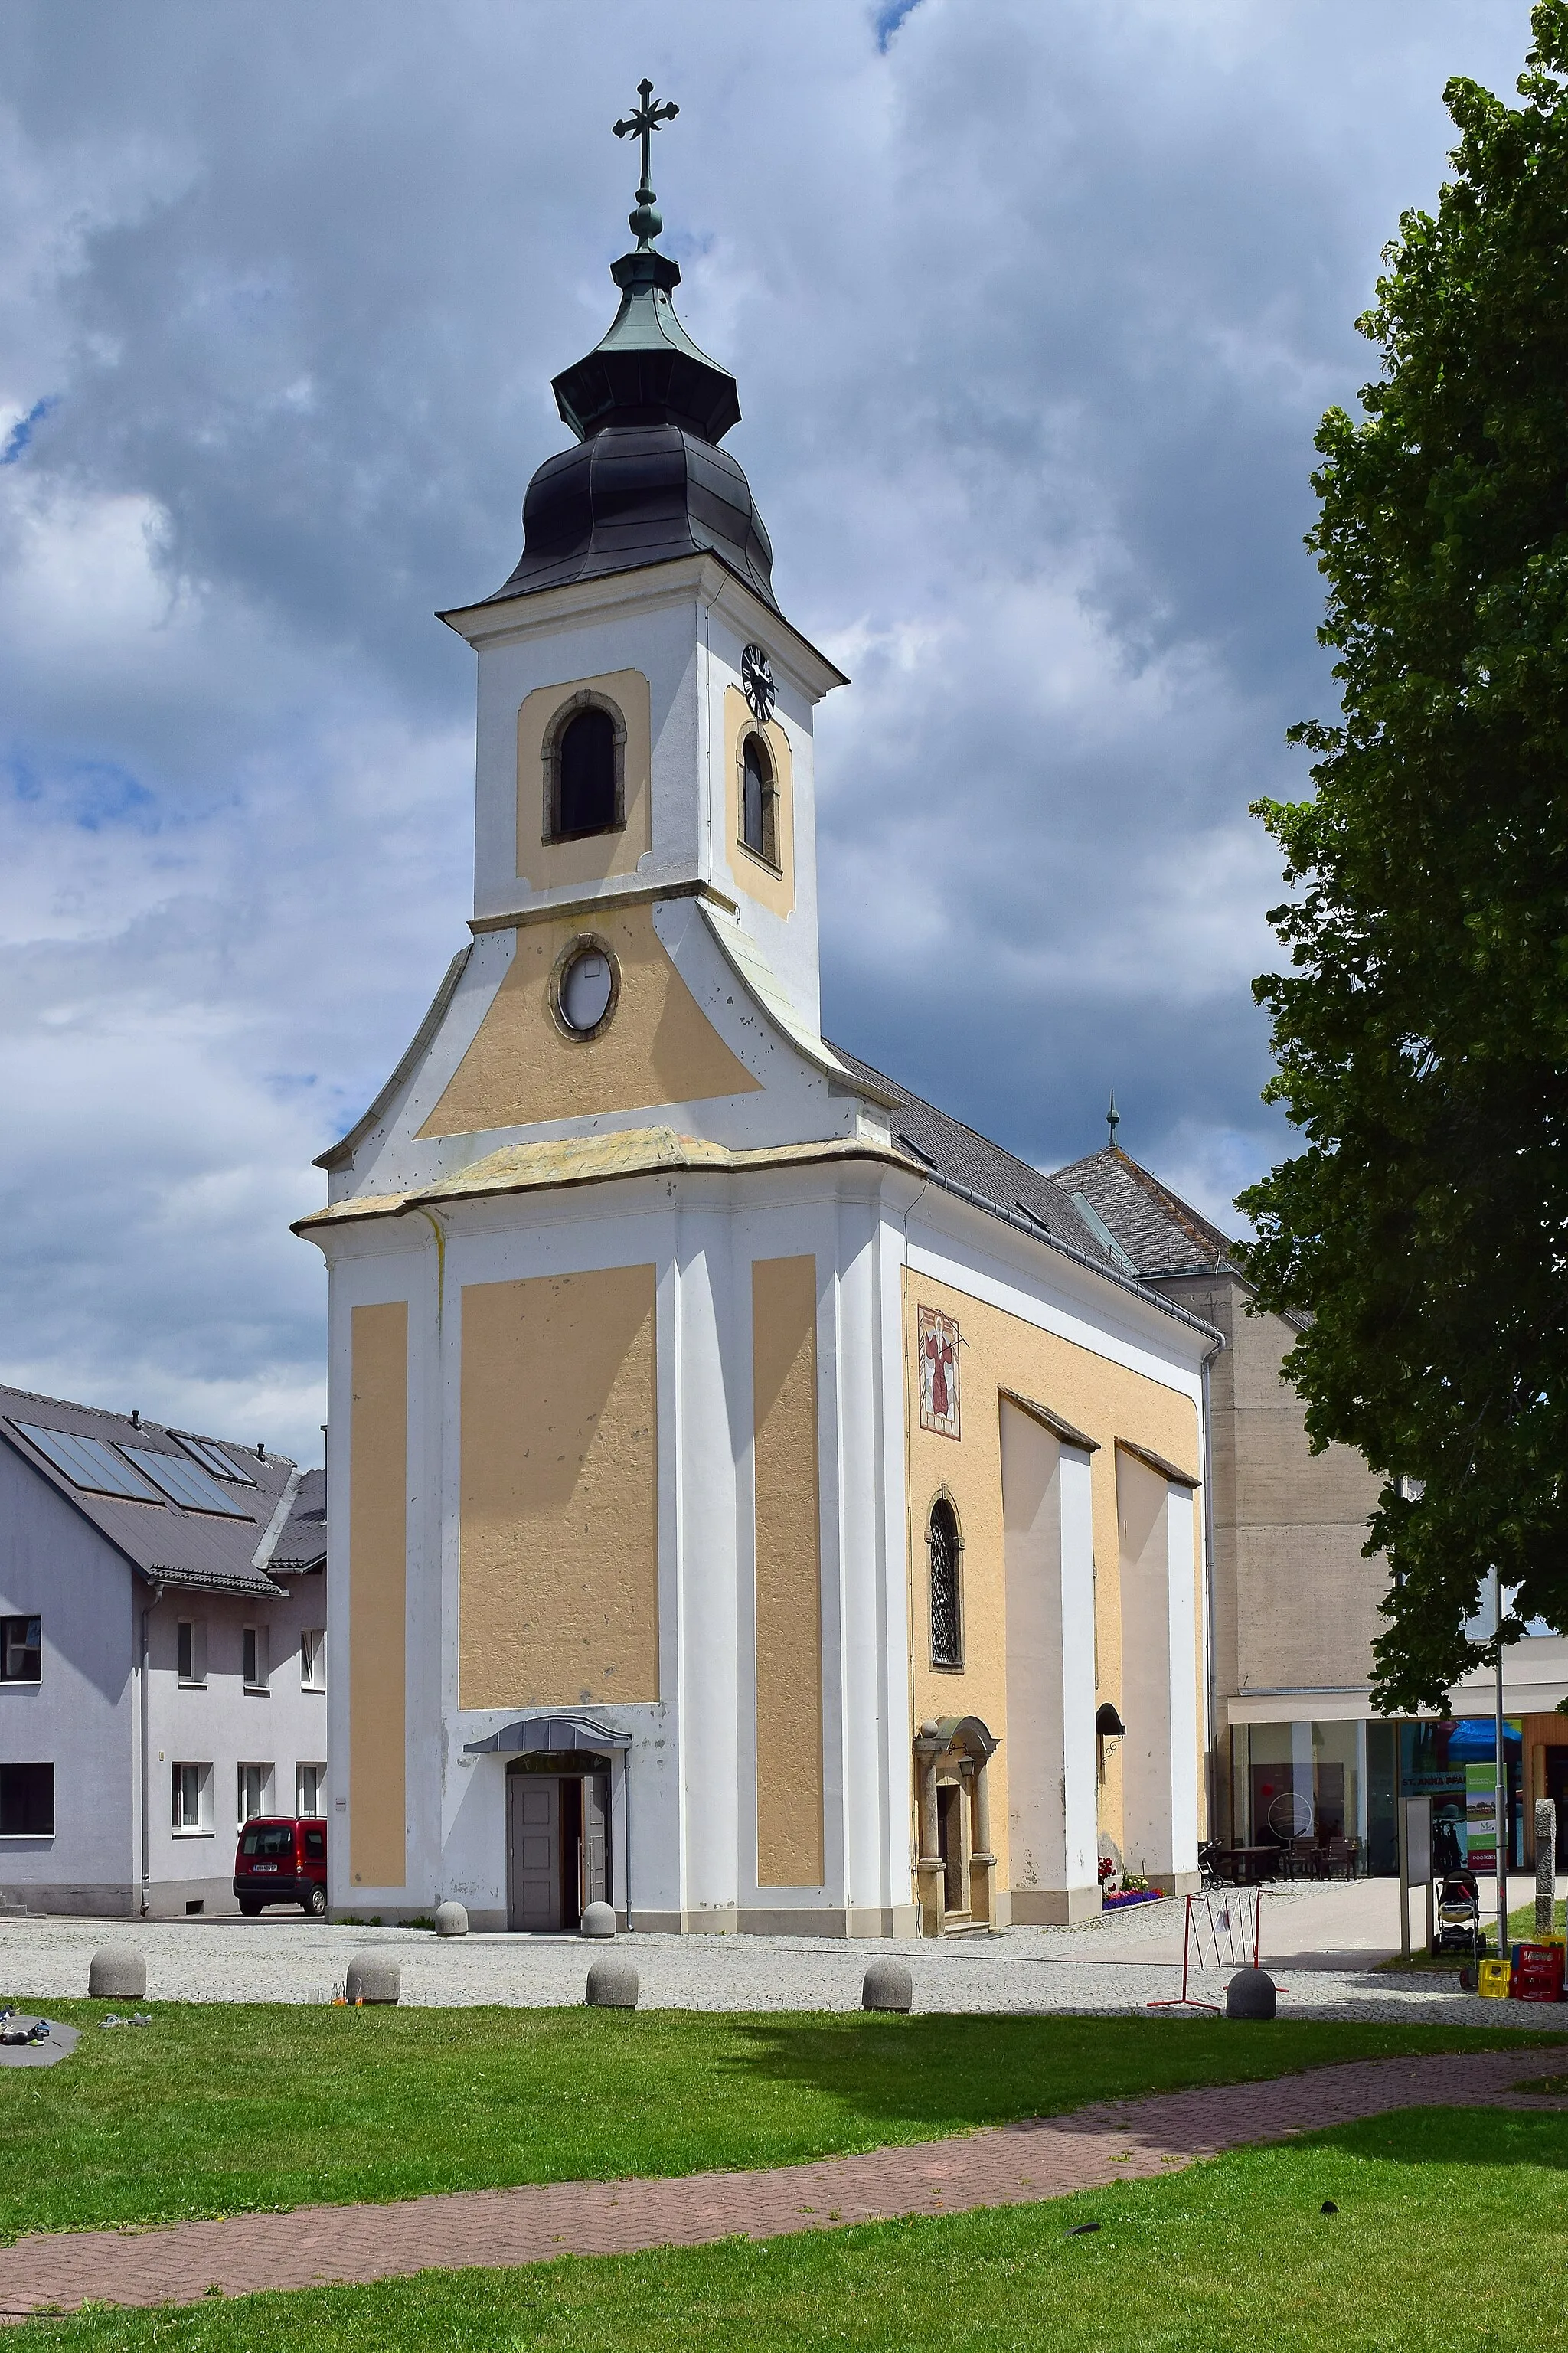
x: 585, y: 789
x: 945, y: 1546
x: 759, y: 794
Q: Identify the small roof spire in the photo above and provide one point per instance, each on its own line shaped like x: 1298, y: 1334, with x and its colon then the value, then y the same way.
x: 1113, y: 1119
x: 641, y: 123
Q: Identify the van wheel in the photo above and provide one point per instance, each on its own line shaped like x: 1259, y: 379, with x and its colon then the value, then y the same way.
x: 250, y: 1907
x: 316, y: 1902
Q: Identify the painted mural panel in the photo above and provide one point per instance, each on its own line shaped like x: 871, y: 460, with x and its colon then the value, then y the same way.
x: 937, y: 1340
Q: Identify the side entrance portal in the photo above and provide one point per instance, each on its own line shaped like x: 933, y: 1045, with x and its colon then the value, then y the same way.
x: 557, y: 1846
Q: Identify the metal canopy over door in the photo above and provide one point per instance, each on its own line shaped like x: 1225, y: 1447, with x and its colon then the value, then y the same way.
x: 533, y: 1852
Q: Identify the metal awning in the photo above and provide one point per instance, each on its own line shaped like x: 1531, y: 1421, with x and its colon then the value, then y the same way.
x: 536, y: 1735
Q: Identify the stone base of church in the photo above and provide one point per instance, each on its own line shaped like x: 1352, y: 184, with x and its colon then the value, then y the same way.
x: 1177, y: 1882
x: 765, y: 1920
x: 1055, y: 1907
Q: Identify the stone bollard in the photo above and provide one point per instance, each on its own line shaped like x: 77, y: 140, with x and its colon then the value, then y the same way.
x: 597, y: 1920
x: 372, y: 1979
x: 451, y: 1920
x: 1545, y: 1865
x: 117, y: 1973
x: 613, y: 1985
x: 1250, y: 1994
x: 887, y: 1985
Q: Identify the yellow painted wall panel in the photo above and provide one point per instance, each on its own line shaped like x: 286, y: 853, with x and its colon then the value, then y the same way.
x: 659, y: 1047
x: 558, y: 1491
x: 378, y: 1595
x: 788, y: 1573
x: 550, y: 865
x: 1105, y: 1401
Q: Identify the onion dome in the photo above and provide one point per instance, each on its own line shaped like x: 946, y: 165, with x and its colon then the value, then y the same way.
x: 647, y: 482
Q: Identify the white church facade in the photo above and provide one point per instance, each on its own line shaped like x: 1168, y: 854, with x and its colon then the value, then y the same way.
x: 754, y: 1498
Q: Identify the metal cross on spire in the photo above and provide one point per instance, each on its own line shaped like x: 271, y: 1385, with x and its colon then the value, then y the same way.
x: 1113, y: 1118
x: 647, y: 118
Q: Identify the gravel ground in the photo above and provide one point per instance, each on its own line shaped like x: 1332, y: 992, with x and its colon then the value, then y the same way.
x: 290, y: 1958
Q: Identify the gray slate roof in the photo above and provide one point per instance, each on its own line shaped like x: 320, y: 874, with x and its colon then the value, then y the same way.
x: 301, y: 1545
x: 166, y: 1543
x: 958, y: 1155
x: 1160, y: 1233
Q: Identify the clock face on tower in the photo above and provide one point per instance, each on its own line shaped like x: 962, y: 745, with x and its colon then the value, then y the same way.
x: 757, y: 679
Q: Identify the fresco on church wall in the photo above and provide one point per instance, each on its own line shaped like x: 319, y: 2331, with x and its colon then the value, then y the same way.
x: 939, y: 1346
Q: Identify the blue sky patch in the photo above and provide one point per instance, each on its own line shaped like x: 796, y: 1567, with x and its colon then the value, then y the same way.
x: 21, y: 433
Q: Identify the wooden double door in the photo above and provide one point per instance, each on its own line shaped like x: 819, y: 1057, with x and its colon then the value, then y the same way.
x: 557, y: 1848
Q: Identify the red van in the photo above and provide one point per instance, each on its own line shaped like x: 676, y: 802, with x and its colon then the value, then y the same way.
x: 281, y: 1860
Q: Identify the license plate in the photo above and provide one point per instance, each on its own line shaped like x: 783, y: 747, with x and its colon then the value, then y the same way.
x: 264, y: 1866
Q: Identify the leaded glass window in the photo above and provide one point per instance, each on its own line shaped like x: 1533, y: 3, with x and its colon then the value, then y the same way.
x: 946, y: 1616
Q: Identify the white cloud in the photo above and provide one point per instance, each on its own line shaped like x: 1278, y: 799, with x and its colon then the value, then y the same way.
x: 1033, y: 313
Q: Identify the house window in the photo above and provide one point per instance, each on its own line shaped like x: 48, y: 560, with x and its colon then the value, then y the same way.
x: 191, y: 1650
x: 310, y: 1790
x: 585, y: 756
x: 945, y: 1546
x: 26, y: 1801
x: 21, y: 1650
x: 313, y: 1658
x: 253, y: 1649
x: 253, y: 1782
x: 759, y: 801
x: 190, y: 1812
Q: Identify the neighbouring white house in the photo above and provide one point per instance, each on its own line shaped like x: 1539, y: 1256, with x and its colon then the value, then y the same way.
x: 162, y: 1657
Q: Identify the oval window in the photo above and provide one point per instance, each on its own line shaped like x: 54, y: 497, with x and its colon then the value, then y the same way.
x: 586, y: 985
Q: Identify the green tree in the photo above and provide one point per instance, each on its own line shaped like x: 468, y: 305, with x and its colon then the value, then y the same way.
x: 1420, y: 1036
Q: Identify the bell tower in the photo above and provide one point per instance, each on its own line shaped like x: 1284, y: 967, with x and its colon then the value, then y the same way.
x: 645, y: 709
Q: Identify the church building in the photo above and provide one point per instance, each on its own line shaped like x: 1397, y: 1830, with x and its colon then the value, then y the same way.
x: 756, y: 1500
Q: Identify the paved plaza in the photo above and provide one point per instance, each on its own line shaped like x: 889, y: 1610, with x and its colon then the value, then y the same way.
x: 1322, y: 1942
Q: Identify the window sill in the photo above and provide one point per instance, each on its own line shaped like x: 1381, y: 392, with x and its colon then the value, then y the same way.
x: 192, y: 1683
x: 314, y: 1691
x: 177, y: 1832
x: 25, y: 1838
x: 258, y: 1690
x: 756, y: 857
x: 20, y: 1683
x: 583, y: 833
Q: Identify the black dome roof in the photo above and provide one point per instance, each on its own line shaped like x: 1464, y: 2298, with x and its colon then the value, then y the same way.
x: 647, y: 482
x: 638, y: 494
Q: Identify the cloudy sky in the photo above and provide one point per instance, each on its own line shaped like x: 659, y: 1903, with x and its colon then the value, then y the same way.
x: 1034, y: 308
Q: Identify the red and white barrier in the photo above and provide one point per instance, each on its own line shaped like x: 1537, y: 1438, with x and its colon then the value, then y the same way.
x: 1221, y: 1933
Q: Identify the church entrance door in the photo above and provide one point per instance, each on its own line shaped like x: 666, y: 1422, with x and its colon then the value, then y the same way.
x: 533, y: 1852
x: 557, y: 1848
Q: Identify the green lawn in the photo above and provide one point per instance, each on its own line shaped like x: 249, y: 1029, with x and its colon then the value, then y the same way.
x: 1451, y: 2236
x: 1521, y: 1928
x: 220, y: 2107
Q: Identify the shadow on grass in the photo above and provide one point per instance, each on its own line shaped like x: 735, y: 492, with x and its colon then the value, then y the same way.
x: 944, y: 2072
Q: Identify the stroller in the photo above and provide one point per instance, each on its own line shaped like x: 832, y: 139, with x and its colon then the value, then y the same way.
x: 1458, y: 1926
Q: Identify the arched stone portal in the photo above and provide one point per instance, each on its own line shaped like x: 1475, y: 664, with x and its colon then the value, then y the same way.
x: 957, y: 1868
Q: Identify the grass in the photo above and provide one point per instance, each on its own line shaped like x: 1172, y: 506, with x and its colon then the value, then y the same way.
x: 222, y: 2108
x: 1451, y: 2236
x: 1521, y: 1929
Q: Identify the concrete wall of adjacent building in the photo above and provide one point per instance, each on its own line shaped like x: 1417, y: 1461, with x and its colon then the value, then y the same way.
x: 80, y: 1716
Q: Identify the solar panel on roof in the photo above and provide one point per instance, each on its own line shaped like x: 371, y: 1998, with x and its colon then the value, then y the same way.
x: 184, y: 1483
x: 88, y: 1463
x: 212, y: 1458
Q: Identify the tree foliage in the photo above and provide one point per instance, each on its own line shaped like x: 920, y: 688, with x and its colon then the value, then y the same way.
x: 1421, y: 1035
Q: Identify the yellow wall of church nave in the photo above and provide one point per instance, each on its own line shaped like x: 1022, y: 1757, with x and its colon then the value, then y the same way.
x: 378, y: 1594
x: 558, y: 1487
x: 659, y: 1047
x: 788, y: 1580
x: 1102, y: 1398
x: 550, y: 865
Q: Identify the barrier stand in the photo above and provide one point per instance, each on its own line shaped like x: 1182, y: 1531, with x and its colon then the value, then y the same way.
x: 1221, y: 1932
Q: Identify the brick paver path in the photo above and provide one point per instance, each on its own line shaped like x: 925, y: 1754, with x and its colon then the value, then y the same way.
x: 1009, y: 2165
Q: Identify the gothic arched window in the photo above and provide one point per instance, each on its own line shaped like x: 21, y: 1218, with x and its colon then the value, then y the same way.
x: 759, y: 801
x: 945, y: 1546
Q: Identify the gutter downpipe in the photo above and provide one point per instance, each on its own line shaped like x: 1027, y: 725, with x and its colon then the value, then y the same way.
x: 1209, y: 1703
x: 147, y: 1609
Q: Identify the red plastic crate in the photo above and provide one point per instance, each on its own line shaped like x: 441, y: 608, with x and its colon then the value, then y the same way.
x: 1538, y: 1973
